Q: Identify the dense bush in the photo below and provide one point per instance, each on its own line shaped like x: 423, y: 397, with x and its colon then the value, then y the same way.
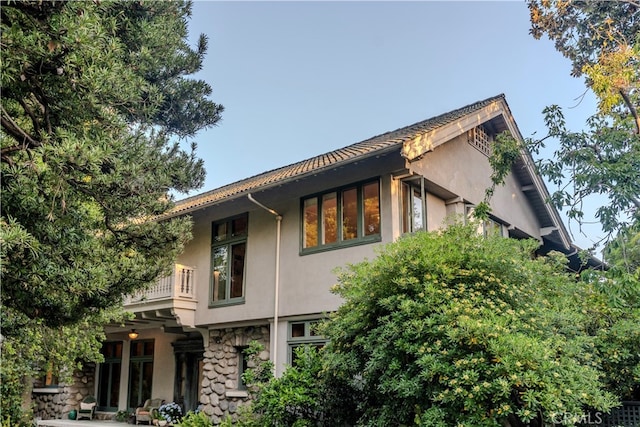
x: 455, y: 329
x: 452, y: 328
x: 303, y: 396
x: 195, y: 419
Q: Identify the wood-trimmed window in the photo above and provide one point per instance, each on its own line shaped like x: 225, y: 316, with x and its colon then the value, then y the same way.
x: 303, y: 334
x: 228, y: 256
x: 343, y: 217
x: 109, y: 376
x: 141, y: 356
x: 243, y: 366
x: 413, y: 208
x: 489, y: 227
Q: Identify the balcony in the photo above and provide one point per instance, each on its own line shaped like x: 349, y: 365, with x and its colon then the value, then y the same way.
x: 180, y: 284
x: 171, y: 298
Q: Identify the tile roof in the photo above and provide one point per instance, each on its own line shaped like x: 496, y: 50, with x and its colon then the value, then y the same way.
x: 370, y: 147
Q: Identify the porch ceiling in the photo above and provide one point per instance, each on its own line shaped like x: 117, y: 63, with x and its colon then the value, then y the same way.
x: 165, y: 318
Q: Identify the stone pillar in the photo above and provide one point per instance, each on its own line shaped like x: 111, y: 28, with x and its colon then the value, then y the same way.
x: 219, y: 396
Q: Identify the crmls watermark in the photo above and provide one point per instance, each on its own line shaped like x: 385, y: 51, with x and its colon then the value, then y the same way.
x: 567, y: 418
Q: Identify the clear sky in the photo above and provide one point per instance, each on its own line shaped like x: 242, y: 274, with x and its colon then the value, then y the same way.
x: 298, y: 79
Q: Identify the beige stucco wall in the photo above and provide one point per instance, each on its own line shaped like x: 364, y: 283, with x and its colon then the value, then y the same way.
x: 436, y: 212
x: 466, y: 172
x: 304, y: 279
x: 163, y: 379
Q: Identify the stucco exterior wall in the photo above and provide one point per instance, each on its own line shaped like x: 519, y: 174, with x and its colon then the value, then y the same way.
x: 436, y: 212
x: 463, y: 170
x: 163, y: 378
x: 304, y: 279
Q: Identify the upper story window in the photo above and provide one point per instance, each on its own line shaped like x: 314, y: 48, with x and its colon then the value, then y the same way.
x: 228, y: 254
x: 343, y: 217
x: 488, y: 227
x: 413, y: 208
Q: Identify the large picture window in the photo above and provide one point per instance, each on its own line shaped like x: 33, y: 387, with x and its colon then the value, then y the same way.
x: 228, y: 253
x: 346, y: 216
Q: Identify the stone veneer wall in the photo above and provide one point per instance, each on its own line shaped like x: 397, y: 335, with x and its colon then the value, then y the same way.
x: 51, y: 406
x: 219, y: 394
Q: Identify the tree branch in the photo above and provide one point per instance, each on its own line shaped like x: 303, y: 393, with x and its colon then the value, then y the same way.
x: 40, y: 96
x: 631, y: 107
x: 18, y: 134
x: 34, y: 119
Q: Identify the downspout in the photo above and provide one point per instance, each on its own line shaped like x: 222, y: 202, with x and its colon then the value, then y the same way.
x: 277, y: 280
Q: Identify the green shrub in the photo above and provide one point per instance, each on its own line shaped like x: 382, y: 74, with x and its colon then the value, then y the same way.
x: 303, y: 396
x: 193, y: 419
x: 452, y: 328
x: 122, y: 416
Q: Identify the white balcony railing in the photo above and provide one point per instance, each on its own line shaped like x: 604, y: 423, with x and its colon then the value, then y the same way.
x: 179, y: 284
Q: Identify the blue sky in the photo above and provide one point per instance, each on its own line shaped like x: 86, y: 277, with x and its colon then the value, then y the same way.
x: 298, y: 79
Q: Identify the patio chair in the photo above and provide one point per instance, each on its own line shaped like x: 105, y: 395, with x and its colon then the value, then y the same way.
x: 144, y: 412
x: 87, y: 407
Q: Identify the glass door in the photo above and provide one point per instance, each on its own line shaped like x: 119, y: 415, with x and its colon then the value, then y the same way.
x: 109, y: 377
x: 140, y: 372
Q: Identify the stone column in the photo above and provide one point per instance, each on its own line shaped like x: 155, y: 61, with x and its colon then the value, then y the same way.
x: 220, y: 396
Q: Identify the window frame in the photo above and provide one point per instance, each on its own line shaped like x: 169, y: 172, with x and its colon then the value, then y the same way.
x: 361, y: 237
x: 228, y: 243
x: 243, y: 366
x: 49, y: 380
x: 491, y: 226
x: 408, y: 197
x: 110, y: 363
x: 308, y: 339
x: 140, y: 360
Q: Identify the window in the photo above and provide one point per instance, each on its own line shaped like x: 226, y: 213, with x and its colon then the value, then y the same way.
x: 48, y: 379
x: 413, y: 208
x: 109, y: 377
x: 140, y: 372
x: 228, y: 253
x: 243, y: 366
x: 303, y: 334
x: 488, y: 227
x: 342, y: 217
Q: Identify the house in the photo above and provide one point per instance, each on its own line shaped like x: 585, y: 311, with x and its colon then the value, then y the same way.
x: 260, y: 264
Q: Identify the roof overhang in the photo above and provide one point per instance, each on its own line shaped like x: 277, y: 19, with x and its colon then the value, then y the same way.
x: 497, y: 113
x: 411, y: 142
